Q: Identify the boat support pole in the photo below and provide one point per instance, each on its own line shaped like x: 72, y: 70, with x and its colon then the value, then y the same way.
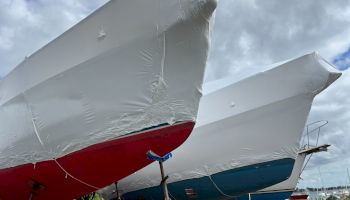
x: 152, y: 156
x: 117, y: 191
x: 163, y: 183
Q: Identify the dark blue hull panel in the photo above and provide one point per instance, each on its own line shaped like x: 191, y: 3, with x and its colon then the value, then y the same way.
x: 233, y: 182
x: 266, y: 196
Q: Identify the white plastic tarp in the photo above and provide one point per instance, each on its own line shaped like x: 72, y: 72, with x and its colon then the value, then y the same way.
x: 131, y: 65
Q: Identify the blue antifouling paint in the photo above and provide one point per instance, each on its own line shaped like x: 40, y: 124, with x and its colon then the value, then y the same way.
x: 234, y: 182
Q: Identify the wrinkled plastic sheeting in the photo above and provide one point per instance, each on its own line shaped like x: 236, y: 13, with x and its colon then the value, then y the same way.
x: 255, y: 120
x: 131, y: 65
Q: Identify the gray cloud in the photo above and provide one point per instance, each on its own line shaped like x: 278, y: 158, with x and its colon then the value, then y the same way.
x: 250, y: 34
x: 27, y: 25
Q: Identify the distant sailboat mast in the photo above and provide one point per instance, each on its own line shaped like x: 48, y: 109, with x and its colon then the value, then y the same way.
x: 323, y: 188
x: 348, y: 181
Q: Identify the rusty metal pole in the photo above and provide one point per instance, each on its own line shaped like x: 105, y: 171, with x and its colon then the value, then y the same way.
x: 117, y: 191
x: 164, y: 185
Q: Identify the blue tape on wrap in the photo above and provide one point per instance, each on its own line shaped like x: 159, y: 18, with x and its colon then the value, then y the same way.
x: 153, y: 156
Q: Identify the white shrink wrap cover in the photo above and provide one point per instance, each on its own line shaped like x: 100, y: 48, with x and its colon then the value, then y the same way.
x: 130, y: 66
x: 256, y: 120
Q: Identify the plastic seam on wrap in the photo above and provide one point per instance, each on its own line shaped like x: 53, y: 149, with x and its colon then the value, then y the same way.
x: 36, y: 132
x: 53, y: 158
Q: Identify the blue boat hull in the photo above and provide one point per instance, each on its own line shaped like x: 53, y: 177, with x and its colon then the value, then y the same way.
x: 222, y: 185
x: 267, y: 196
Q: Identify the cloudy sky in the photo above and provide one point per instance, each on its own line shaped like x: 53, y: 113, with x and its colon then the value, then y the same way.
x: 247, y: 36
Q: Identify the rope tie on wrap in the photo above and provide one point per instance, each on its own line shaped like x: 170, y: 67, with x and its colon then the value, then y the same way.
x: 53, y: 158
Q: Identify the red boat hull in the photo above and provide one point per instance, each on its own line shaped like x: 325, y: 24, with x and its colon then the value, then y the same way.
x: 302, y: 197
x: 94, y: 167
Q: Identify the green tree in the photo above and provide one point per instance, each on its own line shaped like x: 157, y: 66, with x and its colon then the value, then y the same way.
x: 91, y: 196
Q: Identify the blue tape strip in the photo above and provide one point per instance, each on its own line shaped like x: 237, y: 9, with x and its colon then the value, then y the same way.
x: 153, y: 156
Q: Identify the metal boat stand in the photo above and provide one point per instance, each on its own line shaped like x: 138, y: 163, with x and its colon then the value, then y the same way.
x: 117, y: 191
x: 153, y: 156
